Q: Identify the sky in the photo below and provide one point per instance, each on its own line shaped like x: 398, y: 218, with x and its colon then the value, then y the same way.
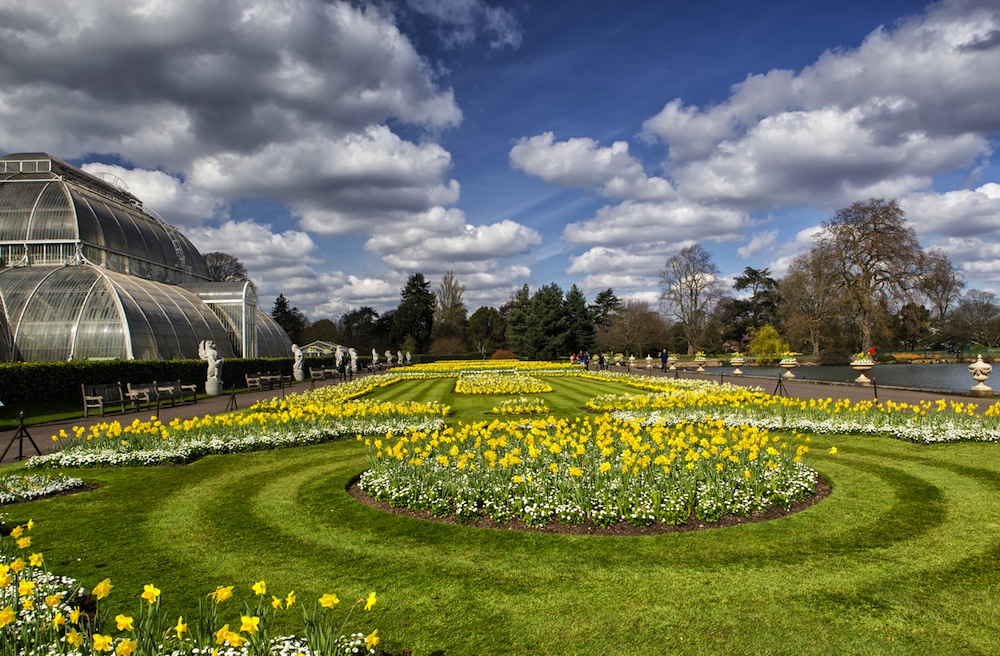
x: 338, y: 148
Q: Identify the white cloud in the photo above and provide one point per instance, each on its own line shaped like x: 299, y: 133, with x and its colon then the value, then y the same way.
x: 580, y: 162
x: 188, y: 205
x: 762, y: 241
x: 962, y: 213
x: 263, y: 252
x: 636, y: 223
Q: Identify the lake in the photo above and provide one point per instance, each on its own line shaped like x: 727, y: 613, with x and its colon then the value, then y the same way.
x: 934, y: 377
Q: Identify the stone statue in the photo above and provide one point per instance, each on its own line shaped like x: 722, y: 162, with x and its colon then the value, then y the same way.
x: 388, y: 358
x: 408, y: 358
x: 354, y: 359
x: 374, y: 357
x: 399, y: 357
x: 339, y: 355
x: 297, y: 371
x: 208, y: 353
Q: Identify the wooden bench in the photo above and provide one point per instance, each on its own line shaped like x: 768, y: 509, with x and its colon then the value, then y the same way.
x: 139, y: 393
x: 102, y: 396
x: 317, y: 374
x: 174, y: 391
x: 253, y: 382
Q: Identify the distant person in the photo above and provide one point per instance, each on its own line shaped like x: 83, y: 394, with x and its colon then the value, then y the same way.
x: 663, y: 359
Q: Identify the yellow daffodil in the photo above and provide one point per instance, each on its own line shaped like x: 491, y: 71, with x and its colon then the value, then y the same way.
x: 73, y: 638
x: 150, y: 593
x: 329, y: 600
x: 249, y: 624
x: 58, y: 620
x: 35, y: 560
x: 17, y: 531
x: 259, y: 588
x: 102, y: 642
x: 125, y: 647
x: 181, y: 628
x: 6, y: 616
x: 833, y: 450
x: 221, y: 594
x: 124, y: 622
x: 74, y: 615
x: 372, y: 640
x: 370, y: 601
x: 53, y: 599
x: 24, y: 543
x: 17, y: 565
x: 275, y: 602
x: 290, y: 599
x: 220, y: 635
x: 25, y: 588
x: 102, y: 589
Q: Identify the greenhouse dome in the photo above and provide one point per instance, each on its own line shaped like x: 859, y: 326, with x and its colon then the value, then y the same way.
x: 87, y: 272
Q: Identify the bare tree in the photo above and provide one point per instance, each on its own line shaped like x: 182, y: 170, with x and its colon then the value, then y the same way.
x: 636, y: 329
x: 875, y: 257
x: 810, y: 299
x: 223, y: 267
x: 977, y: 319
x: 941, y: 284
x: 450, y: 313
x: 689, y: 289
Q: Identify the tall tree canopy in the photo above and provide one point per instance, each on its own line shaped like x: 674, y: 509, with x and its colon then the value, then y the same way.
x: 875, y: 258
x: 414, y: 317
x: 223, y: 267
x: 450, y: 312
x: 290, y: 318
x: 486, y: 330
x: 580, y: 331
x: 689, y: 289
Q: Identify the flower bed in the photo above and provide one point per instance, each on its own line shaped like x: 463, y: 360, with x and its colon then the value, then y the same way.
x: 479, y: 382
x: 15, y: 487
x: 595, y: 469
x: 41, y: 613
x: 294, y: 420
x: 520, y: 406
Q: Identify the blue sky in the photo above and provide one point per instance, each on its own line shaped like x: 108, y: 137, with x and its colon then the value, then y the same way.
x: 337, y: 148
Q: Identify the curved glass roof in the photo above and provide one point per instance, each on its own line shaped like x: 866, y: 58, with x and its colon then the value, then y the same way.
x: 43, y: 199
x: 79, y: 312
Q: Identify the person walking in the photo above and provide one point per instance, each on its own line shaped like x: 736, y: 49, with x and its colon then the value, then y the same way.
x: 663, y: 360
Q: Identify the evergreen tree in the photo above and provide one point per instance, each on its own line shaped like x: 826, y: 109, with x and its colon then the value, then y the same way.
x: 414, y: 317
x: 580, y: 330
x: 546, y: 325
x: 291, y: 319
x: 486, y: 330
x: 606, y: 305
x: 515, y: 312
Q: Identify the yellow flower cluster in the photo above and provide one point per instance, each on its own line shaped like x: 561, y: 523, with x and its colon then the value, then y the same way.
x: 520, y: 406
x: 47, y: 619
x: 496, y: 383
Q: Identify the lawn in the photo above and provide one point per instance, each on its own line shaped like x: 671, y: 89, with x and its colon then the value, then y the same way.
x: 902, y: 558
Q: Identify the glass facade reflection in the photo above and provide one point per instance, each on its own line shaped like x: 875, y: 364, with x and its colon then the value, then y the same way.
x: 87, y: 272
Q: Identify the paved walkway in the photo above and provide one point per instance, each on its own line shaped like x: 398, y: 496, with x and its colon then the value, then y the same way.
x: 42, y: 434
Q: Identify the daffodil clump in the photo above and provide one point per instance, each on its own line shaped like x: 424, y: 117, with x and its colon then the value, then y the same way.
x: 925, y: 422
x: 481, y: 382
x: 294, y: 420
x: 42, y: 614
x: 596, y: 468
x: 522, y: 405
x: 18, y: 487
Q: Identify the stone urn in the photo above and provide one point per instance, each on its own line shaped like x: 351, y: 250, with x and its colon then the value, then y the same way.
x: 980, y: 372
x: 737, y: 361
x: 861, y: 365
x: 701, y: 360
x: 672, y: 363
x: 788, y: 363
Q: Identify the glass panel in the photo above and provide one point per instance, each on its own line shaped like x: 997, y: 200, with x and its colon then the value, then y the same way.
x: 16, y: 202
x: 53, y: 216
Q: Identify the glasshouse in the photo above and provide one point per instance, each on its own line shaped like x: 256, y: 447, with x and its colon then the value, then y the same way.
x: 87, y: 272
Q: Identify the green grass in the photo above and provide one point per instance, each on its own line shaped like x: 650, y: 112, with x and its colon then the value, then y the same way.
x: 902, y: 558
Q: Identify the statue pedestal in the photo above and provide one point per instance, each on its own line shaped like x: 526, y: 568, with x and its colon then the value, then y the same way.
x: 299, y: 376
x: 213, y: 387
